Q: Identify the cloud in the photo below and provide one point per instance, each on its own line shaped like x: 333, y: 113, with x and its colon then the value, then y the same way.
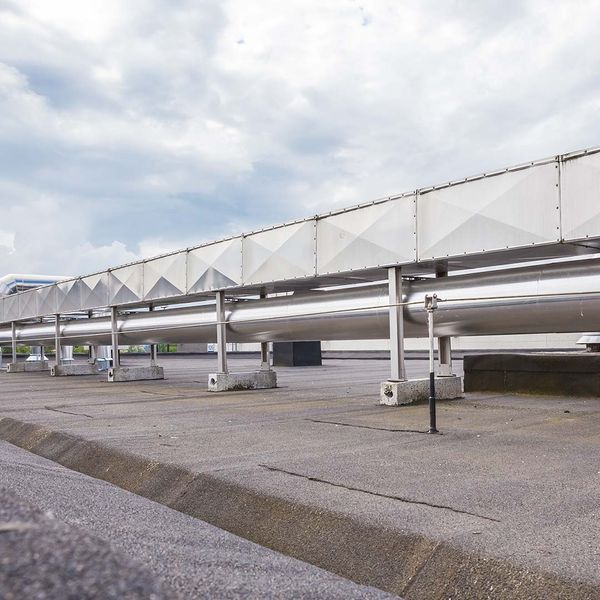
x: 129, y: 129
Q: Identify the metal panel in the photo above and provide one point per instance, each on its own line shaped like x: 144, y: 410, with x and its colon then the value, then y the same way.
x: 214, y: 267
x: 11, y: 307
x: 372, y: 236
x: 126, y: 284
x: 164, y: 277
x: 28, y: 304
x: 580, y: 182
x: 287, y: 252
x: 2, y: 319
x: 94, y: 291
x: 68, y: 296
x: 46, y: 298
x: 515, y: 208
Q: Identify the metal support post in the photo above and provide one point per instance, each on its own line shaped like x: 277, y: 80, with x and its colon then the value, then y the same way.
x: 57, y: 347
x: 396, y: 324
x: 265, y: 359
x: 444, y: 341
x: 430, y: 306
x: 14, y: 341
x: 114, y: 329
x: 221, y: 333
x: 153, y: 347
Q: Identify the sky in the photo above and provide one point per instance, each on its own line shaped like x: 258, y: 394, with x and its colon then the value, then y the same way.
x: 128, y: 129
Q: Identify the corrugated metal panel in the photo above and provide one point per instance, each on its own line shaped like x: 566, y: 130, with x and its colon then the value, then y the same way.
x: 371, y: 236
x: 513, y: 209
x: 580, y: 182
x: 215, y: 266
x: 94, y: 291
x: 126, y: 284
x: 164, y: 277
x: 286, y: 252
x: 68, y: 296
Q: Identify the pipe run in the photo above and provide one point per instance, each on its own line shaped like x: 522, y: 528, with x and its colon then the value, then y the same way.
x: 558, y: 298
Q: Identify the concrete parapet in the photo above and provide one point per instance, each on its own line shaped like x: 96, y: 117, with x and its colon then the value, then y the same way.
x: 396, y: 393
x: 74, y: 369
x: 33, y: 366
x: 249, y: 380
x: 545, y: 373
x: 122, y: 374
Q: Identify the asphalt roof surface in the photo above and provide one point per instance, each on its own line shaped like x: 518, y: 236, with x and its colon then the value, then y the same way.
x: 514, y: 479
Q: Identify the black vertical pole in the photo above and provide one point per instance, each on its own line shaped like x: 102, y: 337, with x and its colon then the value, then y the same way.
x: 430, y: 304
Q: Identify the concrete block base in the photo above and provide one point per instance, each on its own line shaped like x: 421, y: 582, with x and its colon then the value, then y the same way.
x: 122, y: 374
x: 250, y: 380
x: 74, y: 369
x: 34, y: 366
x: 396, y: 393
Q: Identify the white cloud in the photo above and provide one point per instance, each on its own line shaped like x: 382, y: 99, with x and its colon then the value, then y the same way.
x: 128, y: 128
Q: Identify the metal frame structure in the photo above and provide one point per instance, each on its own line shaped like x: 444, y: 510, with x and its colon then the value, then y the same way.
x: 545, y: 209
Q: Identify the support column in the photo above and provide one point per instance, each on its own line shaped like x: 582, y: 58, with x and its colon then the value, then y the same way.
x: 396, y: 310
x: 398, y: 390
x: 223, y: 380
x: 120, y: 374
x: 265, y: 360
x: 114, y: 332
x: 444, y: 342
x: 23, y: 366
x: 153, y: 347
x: 221, y: 333
x: 14, y: 341
x: 57, y: 348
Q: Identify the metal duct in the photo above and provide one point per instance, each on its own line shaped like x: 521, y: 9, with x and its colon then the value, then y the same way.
x: 557, y: 298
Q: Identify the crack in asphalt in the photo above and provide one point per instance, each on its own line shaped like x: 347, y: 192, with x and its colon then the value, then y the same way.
x: 379, y: 494
x: 67, y: 412
x: 368, y: 427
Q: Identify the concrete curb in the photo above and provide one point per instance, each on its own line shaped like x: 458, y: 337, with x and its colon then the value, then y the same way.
x: 411, y: 566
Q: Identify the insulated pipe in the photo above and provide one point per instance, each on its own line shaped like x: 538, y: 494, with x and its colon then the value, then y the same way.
x: 557, y: 298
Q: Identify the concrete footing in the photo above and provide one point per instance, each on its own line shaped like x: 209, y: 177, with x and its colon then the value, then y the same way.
x: 249, y: 380
x: 396, y: 393
x: 34, y: 366
x: 74, y: 369
x: 122, y: 374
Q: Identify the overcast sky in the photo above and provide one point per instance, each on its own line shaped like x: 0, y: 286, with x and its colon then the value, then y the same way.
x: 128, y: 128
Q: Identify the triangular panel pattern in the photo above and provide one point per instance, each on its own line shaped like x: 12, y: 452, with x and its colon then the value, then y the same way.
x: 46, y: 298
x: 216, y: 266
x: 94, y: 291
x: 581, y: 197
x: 512, y: 209
x: 382, y: 234
x: 164, y: 277
x: 126, y: 284
x: 282, y: 253
x: 29, y: 304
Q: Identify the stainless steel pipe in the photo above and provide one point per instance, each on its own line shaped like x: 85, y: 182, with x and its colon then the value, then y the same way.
x: 557, y: 298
